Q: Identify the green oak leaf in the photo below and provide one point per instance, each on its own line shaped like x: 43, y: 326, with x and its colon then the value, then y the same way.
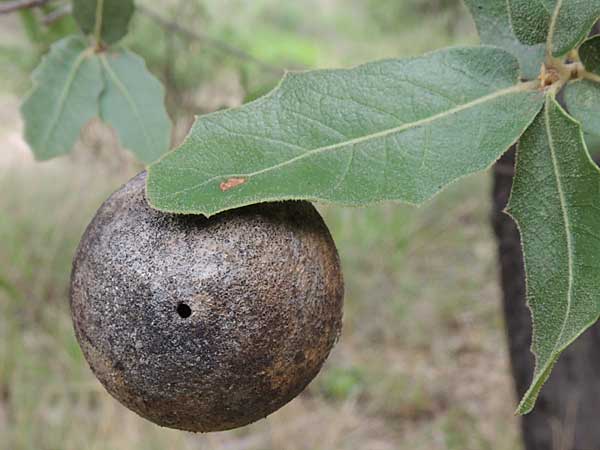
x: 64, y: 98
x: 589, y: 52
x: 569, y: 20
x: 530, y: 19
x: 133, y: 104
x: 493, y: 24
x: 390, y: 130
x: 116, y: 15
x: 574, y: 21
x: 556, y: 203
x: 592, y: 141
x: 582, y: 99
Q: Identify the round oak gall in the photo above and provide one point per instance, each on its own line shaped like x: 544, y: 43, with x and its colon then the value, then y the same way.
x: 205, y: 324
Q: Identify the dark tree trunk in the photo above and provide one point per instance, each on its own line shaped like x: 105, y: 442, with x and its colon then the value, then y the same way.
x: 567, y: 415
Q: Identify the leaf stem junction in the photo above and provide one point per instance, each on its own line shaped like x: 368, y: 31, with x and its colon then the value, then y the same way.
x: 98, y: 25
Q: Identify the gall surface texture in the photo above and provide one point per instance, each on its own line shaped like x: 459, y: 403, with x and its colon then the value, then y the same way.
x: 205, y: 324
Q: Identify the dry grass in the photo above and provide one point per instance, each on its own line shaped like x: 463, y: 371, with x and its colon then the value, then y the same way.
x: 421, y: 364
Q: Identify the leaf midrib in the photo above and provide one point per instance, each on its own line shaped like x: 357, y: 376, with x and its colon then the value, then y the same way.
x: 543, y: 4
x: 552, y: 27
x: 63, y: 98
x: 566, y: 220
x: 522, y: 87
x: 541, y: 376
x: 127, y: 97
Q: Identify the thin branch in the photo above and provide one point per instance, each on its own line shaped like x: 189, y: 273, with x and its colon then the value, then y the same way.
x: 590, y: 76
x: 170, y: 53
x: 198, y: 36
x: 57, y: 14
x: 17, y: 5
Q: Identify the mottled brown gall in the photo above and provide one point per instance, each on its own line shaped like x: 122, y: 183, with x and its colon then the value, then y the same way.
x: 205, y: 324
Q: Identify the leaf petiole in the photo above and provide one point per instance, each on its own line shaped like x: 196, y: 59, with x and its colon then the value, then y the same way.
x: 98, y: 25
x: 550, y: 60
x: 590, y: 76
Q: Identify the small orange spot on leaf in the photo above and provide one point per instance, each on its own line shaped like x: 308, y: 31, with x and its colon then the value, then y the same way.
x: 231, y: 183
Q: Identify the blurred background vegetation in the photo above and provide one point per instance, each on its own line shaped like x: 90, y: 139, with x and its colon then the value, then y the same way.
x: 422, y: 361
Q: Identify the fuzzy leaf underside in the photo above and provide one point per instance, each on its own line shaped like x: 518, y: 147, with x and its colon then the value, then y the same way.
x: 493, y: 24
x: 531, y: 21
x: 390, y: 130
x: 574, y: 22
x: 133, y: 104
x: 583, y: 102
x: 64, y: 98
x: 556, y: 203
x: 589, y: 52
x: 116, y: 16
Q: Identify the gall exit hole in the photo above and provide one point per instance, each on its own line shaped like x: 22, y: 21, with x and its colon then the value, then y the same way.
x: 184, y: 310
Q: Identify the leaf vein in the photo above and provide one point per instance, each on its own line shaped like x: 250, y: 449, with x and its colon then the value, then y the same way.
x: 123, y: 89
